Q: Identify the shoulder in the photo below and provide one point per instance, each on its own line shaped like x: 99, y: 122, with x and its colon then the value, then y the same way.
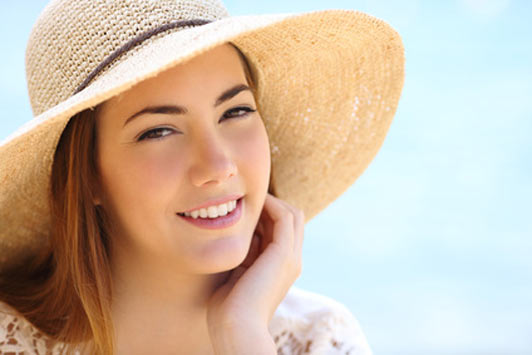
x: 18, y: 335
x: 307, y: 322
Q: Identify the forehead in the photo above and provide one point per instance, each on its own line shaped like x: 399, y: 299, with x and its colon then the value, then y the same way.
x: 204, y: 75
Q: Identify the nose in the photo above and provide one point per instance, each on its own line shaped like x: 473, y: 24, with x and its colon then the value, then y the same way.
x: 213, y: 161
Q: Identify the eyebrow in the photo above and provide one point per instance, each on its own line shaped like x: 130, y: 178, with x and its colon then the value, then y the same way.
x: 180, y: 110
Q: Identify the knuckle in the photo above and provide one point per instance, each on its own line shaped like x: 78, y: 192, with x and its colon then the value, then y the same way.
x: 289, y: 215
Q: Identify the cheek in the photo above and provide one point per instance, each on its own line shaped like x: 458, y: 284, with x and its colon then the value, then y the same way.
x: 253, y: 152
x: 140, y: 181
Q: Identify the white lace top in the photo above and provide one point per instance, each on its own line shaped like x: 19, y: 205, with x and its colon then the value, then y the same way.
x: 304, y: 323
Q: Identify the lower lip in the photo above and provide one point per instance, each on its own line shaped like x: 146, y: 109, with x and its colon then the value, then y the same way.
x: 219, y: 222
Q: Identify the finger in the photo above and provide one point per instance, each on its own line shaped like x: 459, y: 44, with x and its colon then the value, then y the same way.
x: 299, y: 226
x: 259, y: 228
x: 253, y: 252
x: 298, y: 239
x: 283, y: 222
x: 261, y: 231
x: 265, y: 227
x: 235, y: 276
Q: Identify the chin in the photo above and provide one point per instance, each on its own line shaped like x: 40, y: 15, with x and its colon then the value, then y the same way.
x: 222, y: 255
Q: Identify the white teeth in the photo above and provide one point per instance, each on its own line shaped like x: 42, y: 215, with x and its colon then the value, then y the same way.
x: 213, y: 211
x: 222, y: 210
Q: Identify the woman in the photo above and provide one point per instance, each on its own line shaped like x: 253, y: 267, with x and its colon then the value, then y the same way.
x: 156, y: 203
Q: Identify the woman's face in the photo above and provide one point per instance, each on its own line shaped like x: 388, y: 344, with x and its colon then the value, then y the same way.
x: 176, y: 142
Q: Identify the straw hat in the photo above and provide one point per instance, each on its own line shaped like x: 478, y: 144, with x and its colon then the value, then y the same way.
x: 328, y: 86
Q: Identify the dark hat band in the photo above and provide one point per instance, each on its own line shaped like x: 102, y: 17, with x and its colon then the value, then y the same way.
x: 134, y: 42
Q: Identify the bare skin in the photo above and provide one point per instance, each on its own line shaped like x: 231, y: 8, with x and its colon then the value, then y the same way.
x: 178, y: 288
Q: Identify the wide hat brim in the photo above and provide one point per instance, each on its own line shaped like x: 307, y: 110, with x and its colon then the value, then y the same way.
x: 328, y: 86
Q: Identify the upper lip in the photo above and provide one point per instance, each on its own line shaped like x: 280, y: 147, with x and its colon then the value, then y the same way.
x: 215, y: 202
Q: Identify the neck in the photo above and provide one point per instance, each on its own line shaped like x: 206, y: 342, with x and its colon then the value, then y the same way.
x: 156, y: 302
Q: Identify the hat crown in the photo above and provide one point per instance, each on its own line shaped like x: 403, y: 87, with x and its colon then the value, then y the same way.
x: 71, y: 38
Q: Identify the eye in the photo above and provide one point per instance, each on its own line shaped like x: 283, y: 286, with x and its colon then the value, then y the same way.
x: 156, y: 133
x: 236, y: 112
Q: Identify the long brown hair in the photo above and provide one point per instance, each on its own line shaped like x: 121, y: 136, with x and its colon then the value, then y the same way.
x: 66, y: 290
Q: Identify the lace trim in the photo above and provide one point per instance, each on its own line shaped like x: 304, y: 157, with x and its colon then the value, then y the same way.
x: 19, y: 336
x: 306, y: 324
x: 327, y: 332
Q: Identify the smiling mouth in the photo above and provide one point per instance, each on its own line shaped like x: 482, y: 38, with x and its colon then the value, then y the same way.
x: 212, y: 212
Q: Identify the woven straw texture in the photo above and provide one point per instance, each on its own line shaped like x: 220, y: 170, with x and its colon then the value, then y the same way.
x: 328, y: 86
x: 90, y: 38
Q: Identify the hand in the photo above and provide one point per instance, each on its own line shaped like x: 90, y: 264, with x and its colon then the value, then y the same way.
x: 256, y: 287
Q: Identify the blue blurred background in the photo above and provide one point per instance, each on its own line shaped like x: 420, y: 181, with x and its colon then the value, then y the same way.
x: 430, y: 248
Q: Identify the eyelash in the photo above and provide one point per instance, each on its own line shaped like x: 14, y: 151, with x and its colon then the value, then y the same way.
x: 144, y: 136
